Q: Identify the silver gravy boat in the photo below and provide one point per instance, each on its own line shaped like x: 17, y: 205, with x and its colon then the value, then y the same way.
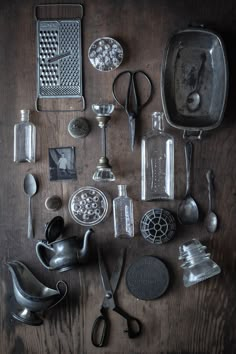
x: 31, y: 295
x: 65, y: 253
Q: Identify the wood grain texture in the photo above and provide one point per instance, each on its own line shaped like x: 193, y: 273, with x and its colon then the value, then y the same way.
x: 201, y: 319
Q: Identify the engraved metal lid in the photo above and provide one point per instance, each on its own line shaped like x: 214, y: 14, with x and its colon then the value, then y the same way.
x: 147, y: 278
x: 54, y: 228
x: 78, y: 128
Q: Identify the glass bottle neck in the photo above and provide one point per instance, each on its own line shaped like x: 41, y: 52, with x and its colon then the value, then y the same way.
x: 24, y: 115
x: 122, y: 190
x: 157, y: 121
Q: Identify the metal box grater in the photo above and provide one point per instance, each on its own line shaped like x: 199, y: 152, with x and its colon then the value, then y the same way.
x: 59, y: 59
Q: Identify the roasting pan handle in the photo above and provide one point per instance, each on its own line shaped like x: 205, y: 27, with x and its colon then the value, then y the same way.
x: 192, y: 135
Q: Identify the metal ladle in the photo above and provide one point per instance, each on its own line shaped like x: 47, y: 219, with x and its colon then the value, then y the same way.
x: 30, y: 188
x: 211, y: 220
x: 194, y: 98
x: 188, y: 210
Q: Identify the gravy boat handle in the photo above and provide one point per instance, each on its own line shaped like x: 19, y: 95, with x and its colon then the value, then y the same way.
x: 58, y: 288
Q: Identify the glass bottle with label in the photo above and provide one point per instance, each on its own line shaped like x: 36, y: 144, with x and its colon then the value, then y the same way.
x: 157, y: 162
x: 24, y: 139
x: 123, y: 214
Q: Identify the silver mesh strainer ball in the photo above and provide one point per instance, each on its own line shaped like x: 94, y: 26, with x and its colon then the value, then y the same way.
x: 158, y: 226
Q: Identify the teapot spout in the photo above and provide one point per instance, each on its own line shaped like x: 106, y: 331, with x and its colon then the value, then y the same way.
x: 82, y: 255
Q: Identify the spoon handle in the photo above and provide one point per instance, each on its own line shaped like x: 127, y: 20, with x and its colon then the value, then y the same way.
x: 210, y: 178
x: 203, y: 57
x: 30, y: 228
x: 188, y: 159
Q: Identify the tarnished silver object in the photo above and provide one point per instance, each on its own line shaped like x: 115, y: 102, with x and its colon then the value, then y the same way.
x: 188, y: 210
x: 78, y: 128
x: 30, y: 188
x: 31, y: 295
x: 59, y: 60
x: 63, y: 254
x: 211, y: 220
x: 194, y: 81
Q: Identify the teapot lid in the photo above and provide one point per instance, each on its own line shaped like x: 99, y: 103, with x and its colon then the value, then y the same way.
x: 54, y: 228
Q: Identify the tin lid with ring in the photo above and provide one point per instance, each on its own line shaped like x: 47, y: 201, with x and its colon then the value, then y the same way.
x: 53, y: 203
x: 54, y: 228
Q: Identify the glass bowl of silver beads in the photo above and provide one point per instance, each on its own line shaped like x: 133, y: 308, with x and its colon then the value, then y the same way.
x: 88, y: 206
x: 105, y: 54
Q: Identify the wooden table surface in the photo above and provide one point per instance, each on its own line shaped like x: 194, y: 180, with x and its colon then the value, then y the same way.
x: 200, y: 319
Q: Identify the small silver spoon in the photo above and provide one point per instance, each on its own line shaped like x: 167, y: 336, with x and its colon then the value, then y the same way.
x: 194, y: 98
x: 30, y: 188
x: 188, y: 210
x: 211, y: 220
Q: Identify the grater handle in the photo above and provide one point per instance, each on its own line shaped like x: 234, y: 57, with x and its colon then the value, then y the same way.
x: 37, y: 7
x: 40, y: 109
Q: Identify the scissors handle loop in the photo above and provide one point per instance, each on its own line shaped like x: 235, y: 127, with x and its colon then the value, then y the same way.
x: 128, y: 90
x: 100, y: 331
x: 133, y: 324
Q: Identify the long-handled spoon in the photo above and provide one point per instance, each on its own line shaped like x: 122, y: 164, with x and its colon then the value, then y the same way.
x: 188, y: 210
x: 30, y: 188
x: 211, y: 220
x: 194, y: 98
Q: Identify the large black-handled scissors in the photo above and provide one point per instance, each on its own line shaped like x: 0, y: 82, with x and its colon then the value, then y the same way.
x: 101, y: 326
x: 132, y: 103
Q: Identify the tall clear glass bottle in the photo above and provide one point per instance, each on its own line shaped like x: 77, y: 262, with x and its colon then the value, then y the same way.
x: 157, y: 162
x: 123, y: 214
x: 24, y: 139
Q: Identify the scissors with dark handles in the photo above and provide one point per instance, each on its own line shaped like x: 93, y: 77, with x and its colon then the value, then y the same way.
x: 101, y: 326
x: 132, y: 103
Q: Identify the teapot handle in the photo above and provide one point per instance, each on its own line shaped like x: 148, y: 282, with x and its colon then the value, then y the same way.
x: 40, y: 255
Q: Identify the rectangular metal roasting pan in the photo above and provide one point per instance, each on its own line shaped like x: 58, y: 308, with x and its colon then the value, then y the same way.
x: 180, y: 68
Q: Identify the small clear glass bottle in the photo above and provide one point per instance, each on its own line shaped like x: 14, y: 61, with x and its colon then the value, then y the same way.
x: 197, y: 264
x: 24, y: 139
x: 157, y: 162
x: 123, y: 214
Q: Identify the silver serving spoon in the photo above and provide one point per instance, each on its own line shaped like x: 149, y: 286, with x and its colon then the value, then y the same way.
x: 211, y: 220
x: 30, y: 188
x: 194, y: 98
x: 188, y: 210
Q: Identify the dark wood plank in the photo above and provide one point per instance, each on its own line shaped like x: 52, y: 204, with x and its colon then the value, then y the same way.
x: 201, y: 319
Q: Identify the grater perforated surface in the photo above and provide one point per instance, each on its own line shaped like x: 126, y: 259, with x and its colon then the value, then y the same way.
x: 59, y: 59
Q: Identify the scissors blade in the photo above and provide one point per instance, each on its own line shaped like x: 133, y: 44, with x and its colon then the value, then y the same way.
x: 110, y: 286
x: 132, y: 119
x: 114, y: 281
x: 105, y: 282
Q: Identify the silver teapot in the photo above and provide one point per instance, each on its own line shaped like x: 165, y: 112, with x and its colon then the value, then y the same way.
x: 65, y: 253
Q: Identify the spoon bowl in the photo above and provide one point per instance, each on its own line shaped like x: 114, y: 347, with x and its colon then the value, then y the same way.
x: 194, y: 99
x: 30, y: 188
x: 211, y: 222
x: 188, y: 211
